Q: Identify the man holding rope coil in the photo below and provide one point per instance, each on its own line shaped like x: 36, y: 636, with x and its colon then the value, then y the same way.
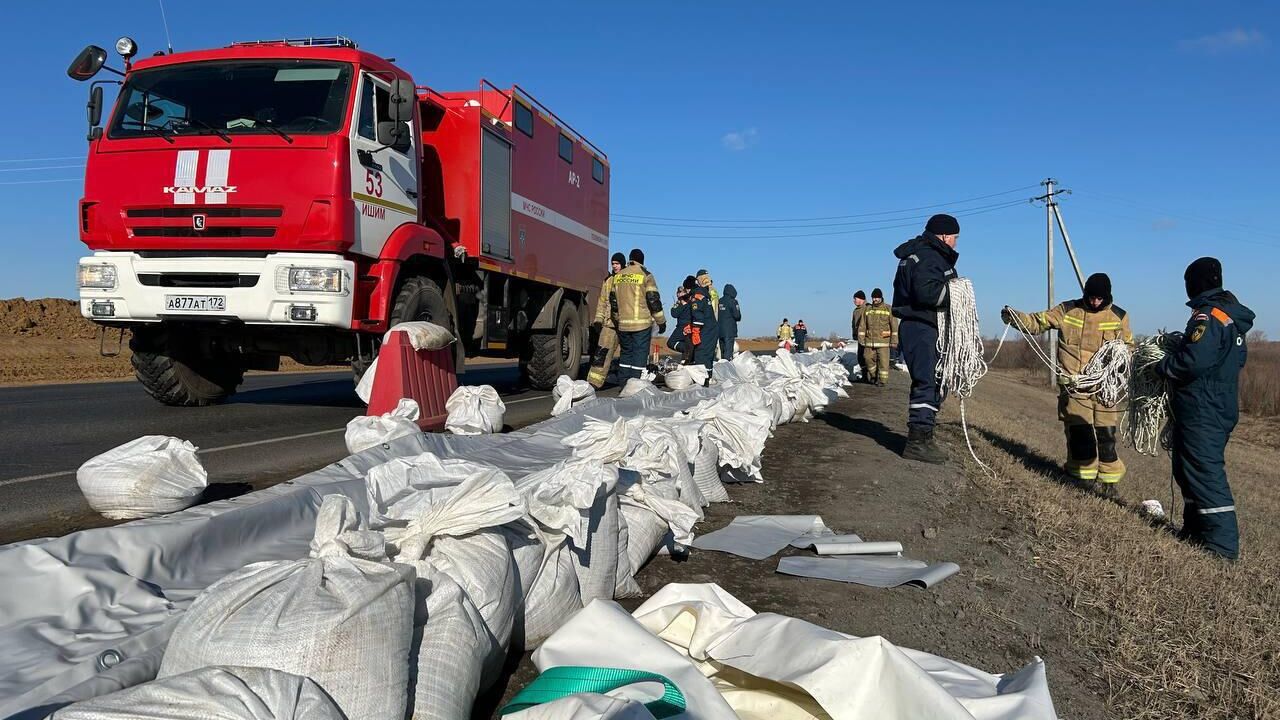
x: 1204, y: 372
x: 1090, y: 425
x: 926, y: 264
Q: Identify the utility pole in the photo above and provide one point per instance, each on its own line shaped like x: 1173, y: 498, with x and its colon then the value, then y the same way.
x: 1053, y: 215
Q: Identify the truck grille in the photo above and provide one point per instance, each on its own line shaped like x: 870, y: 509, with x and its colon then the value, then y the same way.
x: 198, y: 280
x: 218, y: 222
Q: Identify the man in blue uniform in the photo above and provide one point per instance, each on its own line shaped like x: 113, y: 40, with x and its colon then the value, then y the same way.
x: 1204, y: 374
x: 701, y: 327
x: 728, y: 317
x: 925, y: 265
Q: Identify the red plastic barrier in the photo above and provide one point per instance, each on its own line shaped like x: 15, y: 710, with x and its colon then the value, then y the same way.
x: 427, y: 376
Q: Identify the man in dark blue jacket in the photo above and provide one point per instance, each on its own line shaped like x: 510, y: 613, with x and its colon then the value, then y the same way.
x: 1204, y: 374
x: 729, y: 316
x: 925, y: 265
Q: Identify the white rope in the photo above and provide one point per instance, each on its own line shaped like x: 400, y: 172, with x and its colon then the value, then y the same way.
x: 960, y: 345
x: 1146, y: 426
x: 1105, y: 377
x: 960, y: 352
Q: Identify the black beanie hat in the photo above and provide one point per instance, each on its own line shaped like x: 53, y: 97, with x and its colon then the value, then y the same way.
x: 1098, y: 285
x: 637, y: 255
x: 618, y: 258
x: 701, y: 272
x: 1201, y: 275
x: 860, y: 295
x: 690, y: 282
x: 943, y: 225
x: 877, y: 293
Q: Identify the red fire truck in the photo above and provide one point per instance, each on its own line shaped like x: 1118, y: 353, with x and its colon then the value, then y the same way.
x: 299, y: 197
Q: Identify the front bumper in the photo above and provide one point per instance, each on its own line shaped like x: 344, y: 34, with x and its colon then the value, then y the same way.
x: 143, y: 285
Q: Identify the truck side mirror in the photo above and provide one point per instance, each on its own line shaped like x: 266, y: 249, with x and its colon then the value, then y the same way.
x: 95, y: 111
x: 87, y: 63
x: 394, y: 135
x: 403, y: 95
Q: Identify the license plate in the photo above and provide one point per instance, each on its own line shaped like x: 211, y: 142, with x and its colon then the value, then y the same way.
x: 195, y: 303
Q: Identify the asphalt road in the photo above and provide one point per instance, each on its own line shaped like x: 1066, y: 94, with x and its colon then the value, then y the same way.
x: 277, y: 427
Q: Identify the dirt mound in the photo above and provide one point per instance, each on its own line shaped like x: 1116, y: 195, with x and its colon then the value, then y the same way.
x: 54, y: 318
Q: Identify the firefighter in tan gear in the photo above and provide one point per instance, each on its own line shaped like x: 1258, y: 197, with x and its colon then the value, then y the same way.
x: 877, y: 332
x: 859, y: 307
x: 605, y: 325
x: 1083, y: 326
x: 639, y: 309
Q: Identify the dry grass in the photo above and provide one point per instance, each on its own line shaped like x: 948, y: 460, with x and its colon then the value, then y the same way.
x: 1174, y: 632
x: 1260, y: 381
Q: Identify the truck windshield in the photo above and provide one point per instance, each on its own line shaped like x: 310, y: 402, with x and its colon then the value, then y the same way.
x: 234, y: 98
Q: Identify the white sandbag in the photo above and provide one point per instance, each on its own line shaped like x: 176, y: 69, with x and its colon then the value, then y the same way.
x: 474, y: 410
x: 366, y: 431
x: 739, y: 435
x: 687, y: 376
x: 658, y: 450
x: 608, y: 442
x: 569, y: 392
x: 577, y: 498
x: 554, y: 595
x: 226, y: 693
x: 585, y: 706
x: 450, y: 648
x: 645, y: 533
x: 405, y: 488
x: 342, y: 617
x: 706, y: 473
x: 150, y: 476
x: 423, y: 335
x: 637, y: 386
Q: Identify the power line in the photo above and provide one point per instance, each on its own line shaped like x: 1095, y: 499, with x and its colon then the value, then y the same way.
x: 831, y: 217
x: 800, y: 227
x: 914, y: 223
x: 42, y: 167
x: 48, y: 159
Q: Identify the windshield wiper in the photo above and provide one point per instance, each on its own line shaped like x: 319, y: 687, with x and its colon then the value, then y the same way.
x: 216, y: 131
x: 163, y: 131
x: 264, y: 124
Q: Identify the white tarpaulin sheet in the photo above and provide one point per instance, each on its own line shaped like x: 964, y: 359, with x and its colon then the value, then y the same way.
x: 730, y: 663
x: 872, y: 571
x: 760, y: 536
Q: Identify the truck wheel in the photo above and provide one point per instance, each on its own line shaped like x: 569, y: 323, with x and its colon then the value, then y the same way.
x: 172, y: 372
x: 554, y: 354
x: 421, y: 300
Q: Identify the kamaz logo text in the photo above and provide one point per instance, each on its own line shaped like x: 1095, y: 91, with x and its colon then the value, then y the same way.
x: 215, y: 188
x: 173, y: 189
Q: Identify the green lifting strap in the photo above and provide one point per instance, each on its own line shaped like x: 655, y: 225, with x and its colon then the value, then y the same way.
x: 557, y: 682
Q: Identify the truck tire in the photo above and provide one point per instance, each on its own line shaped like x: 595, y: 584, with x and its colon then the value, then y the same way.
x: 554, y: 354
x: 172, y: 372
x: 421, y: 300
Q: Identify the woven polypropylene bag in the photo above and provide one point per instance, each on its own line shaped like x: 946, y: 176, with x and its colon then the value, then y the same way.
x: 150, y: 476
x: 366, y: 431
x: 227, y: 693
x: 474, y: 410
x: 339, y: 617
x: 706, y: 473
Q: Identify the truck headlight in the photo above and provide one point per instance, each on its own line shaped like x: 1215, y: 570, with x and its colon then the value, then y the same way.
x: 97, y: 275
x: 314, y: 279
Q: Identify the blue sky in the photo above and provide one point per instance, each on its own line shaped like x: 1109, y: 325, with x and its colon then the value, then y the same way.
x: 1160, y: 116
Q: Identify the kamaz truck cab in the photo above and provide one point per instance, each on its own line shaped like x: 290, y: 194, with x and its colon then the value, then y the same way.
x: 299, y: 197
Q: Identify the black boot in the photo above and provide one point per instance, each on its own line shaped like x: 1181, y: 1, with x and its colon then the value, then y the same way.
x: 922, y: 447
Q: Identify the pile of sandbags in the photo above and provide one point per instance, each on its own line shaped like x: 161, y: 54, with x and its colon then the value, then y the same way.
x: 418, y: 583
x: 150, y: 476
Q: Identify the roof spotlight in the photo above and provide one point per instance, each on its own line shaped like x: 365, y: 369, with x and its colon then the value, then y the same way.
x: 126, y: 47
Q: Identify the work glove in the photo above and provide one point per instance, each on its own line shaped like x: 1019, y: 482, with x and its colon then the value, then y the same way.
x: 1007, y: 315
x: 662, y: 328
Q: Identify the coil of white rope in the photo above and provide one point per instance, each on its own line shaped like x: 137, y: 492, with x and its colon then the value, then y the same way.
x: 1147, y: 423
x: 1105, y: 376
x: 960, y: 352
